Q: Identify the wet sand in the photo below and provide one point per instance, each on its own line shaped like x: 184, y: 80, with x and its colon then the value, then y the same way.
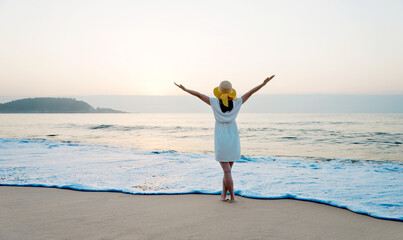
x: 50, y: 213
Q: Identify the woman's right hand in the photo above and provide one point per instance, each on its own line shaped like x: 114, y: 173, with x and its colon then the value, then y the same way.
x: 268, y: 79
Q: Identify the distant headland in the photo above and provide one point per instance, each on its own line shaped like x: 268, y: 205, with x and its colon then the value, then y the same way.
x: 51, y: 105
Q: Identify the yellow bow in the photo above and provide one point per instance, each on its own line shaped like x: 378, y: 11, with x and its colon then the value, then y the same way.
x: 224, y: 96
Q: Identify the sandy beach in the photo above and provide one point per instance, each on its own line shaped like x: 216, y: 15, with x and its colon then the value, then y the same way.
x: 50, y: 213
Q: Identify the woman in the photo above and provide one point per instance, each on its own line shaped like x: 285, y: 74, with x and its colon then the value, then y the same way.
x: 227, y: 148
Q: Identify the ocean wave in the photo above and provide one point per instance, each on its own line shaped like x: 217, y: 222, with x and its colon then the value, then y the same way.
x: 102, y: 126
x: 303, y: 123
x: 145, y: 127
x: 374, y: 188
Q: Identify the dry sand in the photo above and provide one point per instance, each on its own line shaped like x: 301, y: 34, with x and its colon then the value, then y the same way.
x: 49, y: 213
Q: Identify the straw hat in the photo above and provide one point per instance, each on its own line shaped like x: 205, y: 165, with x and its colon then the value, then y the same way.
x: 224, y: 92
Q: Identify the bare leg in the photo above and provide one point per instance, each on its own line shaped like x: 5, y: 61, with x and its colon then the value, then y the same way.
x: 228, y: 179
x: 224, y: 191
x: 224, y: 187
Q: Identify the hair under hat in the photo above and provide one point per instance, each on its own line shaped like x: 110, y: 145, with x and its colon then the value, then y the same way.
x: 225, y: 91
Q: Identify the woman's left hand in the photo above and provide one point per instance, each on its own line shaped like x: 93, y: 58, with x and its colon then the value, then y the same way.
x: 180, y: 86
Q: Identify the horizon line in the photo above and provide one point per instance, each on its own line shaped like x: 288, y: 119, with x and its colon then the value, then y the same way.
x: 142, y: 95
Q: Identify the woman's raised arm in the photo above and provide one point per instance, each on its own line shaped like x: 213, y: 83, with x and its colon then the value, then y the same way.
x: 255, y: 89
x: 202, y: 97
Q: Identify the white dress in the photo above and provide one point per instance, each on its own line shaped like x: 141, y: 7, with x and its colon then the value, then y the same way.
x: 227, y: 147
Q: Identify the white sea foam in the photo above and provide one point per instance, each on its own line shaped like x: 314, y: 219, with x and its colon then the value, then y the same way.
x: 370, y: 187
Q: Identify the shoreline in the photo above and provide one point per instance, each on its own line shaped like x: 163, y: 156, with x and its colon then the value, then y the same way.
x: 199, y: 193
x: 53, y: 213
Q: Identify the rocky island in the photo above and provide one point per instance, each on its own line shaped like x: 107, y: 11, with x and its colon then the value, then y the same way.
x: 51, y: 105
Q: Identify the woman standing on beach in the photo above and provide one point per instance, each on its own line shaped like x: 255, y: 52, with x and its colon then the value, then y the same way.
x: 227, y: 147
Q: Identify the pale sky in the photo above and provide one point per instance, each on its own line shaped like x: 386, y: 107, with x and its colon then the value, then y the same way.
x: 67, y: 48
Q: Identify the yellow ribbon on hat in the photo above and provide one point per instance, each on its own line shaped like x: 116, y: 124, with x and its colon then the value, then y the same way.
x: 224, y: 96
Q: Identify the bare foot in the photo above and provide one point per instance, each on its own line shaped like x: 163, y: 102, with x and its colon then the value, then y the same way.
x: 232, y: 200
x: 223, y: 198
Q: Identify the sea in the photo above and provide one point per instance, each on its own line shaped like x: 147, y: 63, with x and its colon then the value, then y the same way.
x: 352, y: 161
